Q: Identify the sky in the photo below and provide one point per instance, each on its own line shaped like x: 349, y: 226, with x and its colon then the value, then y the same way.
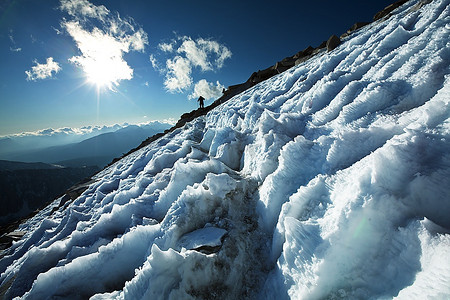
x: 74, y: 63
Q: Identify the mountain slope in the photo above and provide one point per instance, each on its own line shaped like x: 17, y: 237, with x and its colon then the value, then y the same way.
x: 330, y: 180
x: 26, y: 187
x: 6, y: 165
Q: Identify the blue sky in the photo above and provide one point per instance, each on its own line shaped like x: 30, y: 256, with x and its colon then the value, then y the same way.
x: 74, y: 63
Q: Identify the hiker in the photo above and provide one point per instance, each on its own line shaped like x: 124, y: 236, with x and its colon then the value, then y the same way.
x: 200, y: 100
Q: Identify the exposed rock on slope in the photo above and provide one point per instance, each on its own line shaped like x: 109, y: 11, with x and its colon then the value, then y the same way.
x: 333, y: 42
x: 388, y: 9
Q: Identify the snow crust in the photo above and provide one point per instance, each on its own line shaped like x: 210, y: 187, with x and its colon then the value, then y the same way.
x: 328, y: 181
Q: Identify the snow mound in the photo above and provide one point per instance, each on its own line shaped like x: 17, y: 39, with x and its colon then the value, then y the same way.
x: 328, y: 181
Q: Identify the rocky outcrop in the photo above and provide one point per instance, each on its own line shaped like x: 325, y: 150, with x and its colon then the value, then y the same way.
x: 356, y: 26
x: 386, y: 12
x: 333, y: 42
x: 309, y: 52
x: 7, y: 239
x: 420, y: 5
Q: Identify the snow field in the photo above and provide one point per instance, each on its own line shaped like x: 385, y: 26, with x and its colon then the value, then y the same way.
x: 328, y: 181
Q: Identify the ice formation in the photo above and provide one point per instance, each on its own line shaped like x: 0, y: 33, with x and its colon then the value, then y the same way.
x: 330, y: 180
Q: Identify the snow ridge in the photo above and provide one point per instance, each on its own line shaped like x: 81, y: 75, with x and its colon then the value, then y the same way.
x: 328, y: 181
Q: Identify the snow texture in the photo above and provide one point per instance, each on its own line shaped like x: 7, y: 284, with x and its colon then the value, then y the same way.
x: 328, y: 181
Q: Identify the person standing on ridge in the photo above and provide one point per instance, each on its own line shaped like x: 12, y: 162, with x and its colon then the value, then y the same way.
x: 201, y: 103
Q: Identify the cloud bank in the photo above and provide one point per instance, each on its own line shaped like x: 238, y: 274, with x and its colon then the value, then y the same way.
x: 187, y: 55
x: 43, y: 71
x: 13, y: 144
x: 67, y: 131
x: 85, y: 131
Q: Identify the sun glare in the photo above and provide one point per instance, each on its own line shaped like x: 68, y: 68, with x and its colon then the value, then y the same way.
x: 101, y: 72
x: 101, y: 55
x: 102, y: 63
x: 106, y: 71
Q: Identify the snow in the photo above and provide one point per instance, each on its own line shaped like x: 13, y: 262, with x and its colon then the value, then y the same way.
x: 328, y: 181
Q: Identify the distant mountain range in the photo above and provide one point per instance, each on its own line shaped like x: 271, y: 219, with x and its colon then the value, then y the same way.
x: 98, y: 150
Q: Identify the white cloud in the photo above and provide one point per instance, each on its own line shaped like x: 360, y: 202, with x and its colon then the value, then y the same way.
x: 221, y: 52
x: 138, y: 40
x: 205, y: 54
x: 170, y: 121
x: 196, y: 55
x: 155, y: 63
x: 102, y: 48
x: 166, y: 47
x: 83, y: 131
x: 207, y: 90
x: 43, y: 71
x: 101, y: 55
x: 178, y: 77
x: 83, y: 8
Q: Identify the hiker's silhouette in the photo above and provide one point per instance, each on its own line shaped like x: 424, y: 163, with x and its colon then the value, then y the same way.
x: 201, y: 103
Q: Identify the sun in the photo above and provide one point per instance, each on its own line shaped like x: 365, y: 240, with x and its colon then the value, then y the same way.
x: 101, y: 72
x: 101, y: 56
x: 104, y: 70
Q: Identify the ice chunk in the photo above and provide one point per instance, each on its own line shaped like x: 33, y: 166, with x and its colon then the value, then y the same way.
x: 220, y: 185
x: 204, y: 237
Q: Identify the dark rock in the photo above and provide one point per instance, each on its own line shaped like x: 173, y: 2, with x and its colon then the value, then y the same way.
x: 308, y: 51
x: 388, y: 9
x: 235, y: 89
x: 7, y: 239
x: 287, y: 60
x: 262, y: 75
x: 302, y: 59
x: 357, y: 26
x: 304, y: 52
x: 354, y: 27
x: 16, y: 235
x: 322, y: 45
x: 333, y: 42
x: 419, y: 5
x: 76, y: 190
x: 285, y: 64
